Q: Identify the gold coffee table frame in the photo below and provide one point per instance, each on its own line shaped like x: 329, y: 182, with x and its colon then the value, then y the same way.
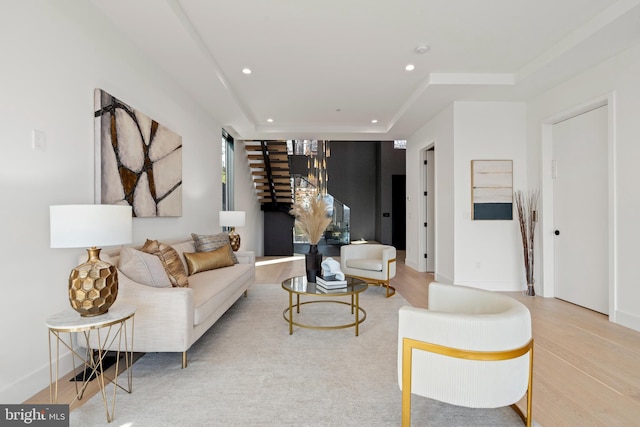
x: 299, y: 286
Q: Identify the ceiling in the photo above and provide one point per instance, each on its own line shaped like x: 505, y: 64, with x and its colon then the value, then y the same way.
x: 324, y: 69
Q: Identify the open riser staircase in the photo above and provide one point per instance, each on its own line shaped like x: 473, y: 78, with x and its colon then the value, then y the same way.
x: 277, y: 188
x: 269, y: 163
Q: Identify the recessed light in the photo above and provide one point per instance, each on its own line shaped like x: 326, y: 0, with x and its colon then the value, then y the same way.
x: 410, y: 67
x: 374, y: 121
x: 422, y: 49
x: 270, y: 120
x: 246, y: 70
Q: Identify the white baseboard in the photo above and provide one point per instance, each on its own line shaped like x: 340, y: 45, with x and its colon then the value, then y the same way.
x: 33, y: 383
x: 443, y: 279
x: 411, y: 264
x: 627, y: 320
x: 491, y: 285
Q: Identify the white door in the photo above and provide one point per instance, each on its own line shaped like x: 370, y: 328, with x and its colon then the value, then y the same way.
x: 580, y: 205
x: 430, y: 223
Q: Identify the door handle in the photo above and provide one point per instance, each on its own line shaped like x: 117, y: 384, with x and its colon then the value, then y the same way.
x: 557, y: 232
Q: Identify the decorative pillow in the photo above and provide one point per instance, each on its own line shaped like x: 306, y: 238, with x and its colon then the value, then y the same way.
x: 211, y: 242
x: 203, y: 261
x: 143, y: 268
x: 170, y: 260
x: 183, y: 247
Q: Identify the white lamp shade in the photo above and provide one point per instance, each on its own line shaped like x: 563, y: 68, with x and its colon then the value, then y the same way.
x: 232, y: 218
x: 83, y: 226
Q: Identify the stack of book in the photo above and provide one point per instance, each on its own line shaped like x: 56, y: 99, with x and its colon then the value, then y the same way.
x: 329, y: 281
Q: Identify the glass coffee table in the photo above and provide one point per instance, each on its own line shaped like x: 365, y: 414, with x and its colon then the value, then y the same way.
x: 300, y: 286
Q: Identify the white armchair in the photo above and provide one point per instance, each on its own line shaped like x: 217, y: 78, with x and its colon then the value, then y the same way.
x: 473, y: 348
x: 373, y: 263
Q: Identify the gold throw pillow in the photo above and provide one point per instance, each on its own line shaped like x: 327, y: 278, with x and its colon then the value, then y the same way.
x: 203, y: 261
x: 170, y: 260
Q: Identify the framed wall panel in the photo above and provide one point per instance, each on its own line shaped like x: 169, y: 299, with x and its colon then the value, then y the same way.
x: 492, y: 189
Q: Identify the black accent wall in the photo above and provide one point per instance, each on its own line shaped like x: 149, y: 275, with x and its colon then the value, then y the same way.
x: 360, y: 176
x: 352, y: 170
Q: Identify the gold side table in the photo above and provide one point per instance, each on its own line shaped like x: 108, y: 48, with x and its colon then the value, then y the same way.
x: 111, y: 331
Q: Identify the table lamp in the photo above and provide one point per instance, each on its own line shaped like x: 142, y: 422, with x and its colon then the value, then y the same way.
x: 233, y: 219
x: 93, y: 285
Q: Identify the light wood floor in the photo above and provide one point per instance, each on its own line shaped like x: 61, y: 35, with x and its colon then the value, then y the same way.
x: 586, y: 369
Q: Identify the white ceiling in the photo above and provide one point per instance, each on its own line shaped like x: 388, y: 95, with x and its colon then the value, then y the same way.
x: 323, y: 69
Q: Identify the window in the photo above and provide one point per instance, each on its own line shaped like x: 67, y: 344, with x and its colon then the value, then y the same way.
x: 227, y: 171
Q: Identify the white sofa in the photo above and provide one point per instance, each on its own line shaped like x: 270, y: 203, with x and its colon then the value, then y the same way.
x: 171, y: 319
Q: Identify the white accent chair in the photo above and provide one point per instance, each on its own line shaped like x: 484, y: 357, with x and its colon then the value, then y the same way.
x: 373, y: 263
x: 471, y: 348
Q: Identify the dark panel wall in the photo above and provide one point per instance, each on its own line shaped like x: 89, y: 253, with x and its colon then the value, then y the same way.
x: 278, y: 233
x: 352, y: 180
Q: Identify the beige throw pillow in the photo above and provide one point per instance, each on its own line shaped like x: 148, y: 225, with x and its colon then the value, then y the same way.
x: 170, y: 260
x: 203, y: 261
x: 143, y: 268
x: 211, y: 242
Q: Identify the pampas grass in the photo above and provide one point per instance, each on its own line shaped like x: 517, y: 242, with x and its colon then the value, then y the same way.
x: 313, y: 220
x: 527, y: 206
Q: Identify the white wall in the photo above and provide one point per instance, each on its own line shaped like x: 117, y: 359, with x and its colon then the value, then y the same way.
x: 488, y: 254
x: 616, y: 79
x: 53, y: 56
x: 439, y: 133
x: 510, y: 130
x: 485, y: 254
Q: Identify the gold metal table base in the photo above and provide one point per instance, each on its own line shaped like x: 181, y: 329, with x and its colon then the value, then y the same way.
x: 110, y: 331
x: 355, y: 310
x: 299, y: 285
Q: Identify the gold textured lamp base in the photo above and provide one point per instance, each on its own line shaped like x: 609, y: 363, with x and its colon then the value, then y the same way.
x: 93, y: 285
x: 234, y: 239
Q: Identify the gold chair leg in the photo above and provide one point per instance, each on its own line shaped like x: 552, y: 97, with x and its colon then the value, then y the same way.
x: 184, y: 359
x: 407, y: 356
x: 391, y: 291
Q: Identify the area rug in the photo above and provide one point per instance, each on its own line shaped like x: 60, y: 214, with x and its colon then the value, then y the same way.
x: 248, y: 371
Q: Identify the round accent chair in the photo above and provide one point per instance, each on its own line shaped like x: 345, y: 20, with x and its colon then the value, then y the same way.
x: 373, y: 263
x: 471, y: 348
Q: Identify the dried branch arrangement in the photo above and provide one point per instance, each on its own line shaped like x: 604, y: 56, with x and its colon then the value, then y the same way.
x: 527, y: 206
x: 313, y: 220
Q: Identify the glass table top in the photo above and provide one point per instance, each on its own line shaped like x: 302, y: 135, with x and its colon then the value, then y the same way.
x: 300, y: 285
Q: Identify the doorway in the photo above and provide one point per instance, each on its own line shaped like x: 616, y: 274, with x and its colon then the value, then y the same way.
x: 429, y: 200
x: 580, y: 209
x: 398, y: 211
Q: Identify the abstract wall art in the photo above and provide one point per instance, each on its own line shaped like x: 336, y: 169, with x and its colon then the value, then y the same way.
x: 138, y: 160
x: 492, y: 189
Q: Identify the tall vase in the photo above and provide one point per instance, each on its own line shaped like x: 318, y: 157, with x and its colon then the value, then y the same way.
x: 530, y: 290
x: 313, y: 261
x: 529, y: 271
